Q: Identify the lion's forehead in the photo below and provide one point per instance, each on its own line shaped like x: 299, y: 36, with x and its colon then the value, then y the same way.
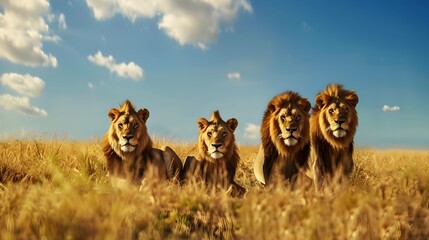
x: 127, y: 118
x: 216, y: 128
x: 338, y: 104
x: 289, y: 110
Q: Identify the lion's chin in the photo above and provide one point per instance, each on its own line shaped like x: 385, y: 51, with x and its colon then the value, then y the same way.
x: 290, y: 141
x: 339, y: 133
x: 216, y: 155
x: 127, y: 148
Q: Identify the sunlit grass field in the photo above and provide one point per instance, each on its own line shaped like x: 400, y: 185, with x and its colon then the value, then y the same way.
x: 58, y: 189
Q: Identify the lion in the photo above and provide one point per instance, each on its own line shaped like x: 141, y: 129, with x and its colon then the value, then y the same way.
x: 217, y: 156
x: 129, y: 152
x: 333, y: 126
x: 285, y: 139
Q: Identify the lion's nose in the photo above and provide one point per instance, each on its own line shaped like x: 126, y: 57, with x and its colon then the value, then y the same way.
x: 291, y: 130
x: 340, y: 121
x: 127, y: 137
x: 216, y: 145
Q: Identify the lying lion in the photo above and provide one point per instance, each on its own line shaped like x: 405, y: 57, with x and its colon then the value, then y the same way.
x: 129, y: 152
x: 217, y: 159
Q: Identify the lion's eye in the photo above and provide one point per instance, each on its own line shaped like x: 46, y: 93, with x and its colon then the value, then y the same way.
x: 346, y: 110
x: 298, y: 117
x: 209, y: 134
x: 136, y: 125
x: 120, y: 125
x: 223, y: 134
x: 283, y: 117
x: 331, y: 111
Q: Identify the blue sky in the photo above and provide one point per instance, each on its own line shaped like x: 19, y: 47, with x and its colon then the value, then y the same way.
x: 64, y: 64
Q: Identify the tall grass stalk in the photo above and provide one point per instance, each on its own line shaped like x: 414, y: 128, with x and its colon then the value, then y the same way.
x: 58, y: 189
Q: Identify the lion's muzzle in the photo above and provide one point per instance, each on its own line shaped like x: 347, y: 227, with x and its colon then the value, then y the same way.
x: 290, y: 136
x: 215, y: 150
x: 127, y: 143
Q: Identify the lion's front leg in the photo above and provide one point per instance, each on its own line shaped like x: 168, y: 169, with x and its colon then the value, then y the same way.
x: 317, y: 172
x: 173, y: 163
x: 235, y: 190
x: 120, y: 183
x: 258, y: 166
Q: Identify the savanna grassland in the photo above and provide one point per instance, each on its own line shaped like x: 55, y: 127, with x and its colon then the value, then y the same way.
x: 58, y: 189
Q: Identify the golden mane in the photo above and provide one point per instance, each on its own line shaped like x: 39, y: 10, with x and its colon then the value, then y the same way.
x: 275, y: 155
x: 334, y: 93
x: 332, y: 156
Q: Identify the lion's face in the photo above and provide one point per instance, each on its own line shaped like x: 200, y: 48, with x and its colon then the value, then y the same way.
x: 290, y: 125
x: 128, y: 129
x: 216, y: 138
x: 338, y: 117
x: 289, y: 121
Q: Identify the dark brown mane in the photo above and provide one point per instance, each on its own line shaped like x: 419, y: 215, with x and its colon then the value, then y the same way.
x: 332, y: 157
x: 290, y: 158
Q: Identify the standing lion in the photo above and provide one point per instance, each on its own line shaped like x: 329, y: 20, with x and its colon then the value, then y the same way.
x: 285, y: 139
x: 129, y: 152
x: 333, y: 125
x: 217, y: 158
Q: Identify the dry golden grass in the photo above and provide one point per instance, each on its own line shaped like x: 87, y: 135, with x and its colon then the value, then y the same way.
x: 59, y: 190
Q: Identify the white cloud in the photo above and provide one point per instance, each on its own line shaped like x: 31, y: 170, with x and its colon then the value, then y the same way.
x: 52, y: 38
x: 20, y: 104
x: 187, y: 21
x: 251, y: 131
x: 122, y: 70
x: 23, y: 84
x: 386, y: 108
x: 62, y: 21
x: 234, y: 75
x: 90, y: 85
x: 23, y: 29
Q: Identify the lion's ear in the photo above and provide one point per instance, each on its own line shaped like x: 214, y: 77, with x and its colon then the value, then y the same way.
x: 321, y: 100
x: 352, y: 98
x: 143, y: 114
x: 232, y: 124
x: 271, y: 107
x: 304, y: 104
x: 202, y: 124
x: 113, y: 114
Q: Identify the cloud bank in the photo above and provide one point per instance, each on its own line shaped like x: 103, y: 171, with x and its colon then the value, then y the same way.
x: 386, y: 108
x: 20, y: 104
x: 122, y: 70
x: 186, y: 21
x: 24, y: 84
x: 23, y: 30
